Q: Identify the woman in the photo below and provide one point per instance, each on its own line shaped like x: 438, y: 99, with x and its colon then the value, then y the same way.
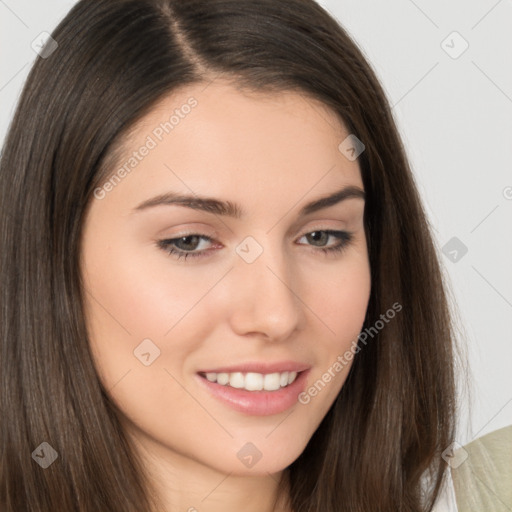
x: 219, y: 288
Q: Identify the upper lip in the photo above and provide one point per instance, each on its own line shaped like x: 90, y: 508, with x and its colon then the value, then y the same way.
x: 261, y: 367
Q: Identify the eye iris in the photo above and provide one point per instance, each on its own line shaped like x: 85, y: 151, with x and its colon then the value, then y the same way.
x: 316, y: 235
x: 194, y: 243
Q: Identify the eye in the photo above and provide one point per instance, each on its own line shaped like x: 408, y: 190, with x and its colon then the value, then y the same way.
x: 321, y: 237
x: 188, y: 244
x: 185, y: 245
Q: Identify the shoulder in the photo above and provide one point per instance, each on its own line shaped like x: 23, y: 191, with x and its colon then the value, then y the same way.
x: 482, y: 473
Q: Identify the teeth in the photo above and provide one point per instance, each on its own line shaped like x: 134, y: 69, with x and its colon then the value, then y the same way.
x: 223, y: 378
x: 271, y: 381
x: 236, y: 380
x: 253, y: 381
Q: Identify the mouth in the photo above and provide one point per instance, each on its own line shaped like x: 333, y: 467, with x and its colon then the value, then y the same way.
x: 252, y: 381
x: 253, y: 393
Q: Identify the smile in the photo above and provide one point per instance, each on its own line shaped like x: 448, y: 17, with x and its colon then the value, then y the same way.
x: 252, y: 393
x: 252, y: 381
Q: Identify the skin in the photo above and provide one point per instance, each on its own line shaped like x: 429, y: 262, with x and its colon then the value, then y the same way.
x: 271, y: 154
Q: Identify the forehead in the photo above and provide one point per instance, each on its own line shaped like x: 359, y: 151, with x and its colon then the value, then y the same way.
x: 214, y: 138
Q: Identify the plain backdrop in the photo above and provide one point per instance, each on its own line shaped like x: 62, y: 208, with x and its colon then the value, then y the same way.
x: 446, y: 68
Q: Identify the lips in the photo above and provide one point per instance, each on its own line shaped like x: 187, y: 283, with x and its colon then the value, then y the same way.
x: 256, y: 403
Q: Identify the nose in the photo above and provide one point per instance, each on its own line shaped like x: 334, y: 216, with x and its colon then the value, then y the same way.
x: 263, y: 299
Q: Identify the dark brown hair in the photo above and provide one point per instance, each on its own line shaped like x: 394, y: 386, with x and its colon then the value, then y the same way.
x: 115, y: 59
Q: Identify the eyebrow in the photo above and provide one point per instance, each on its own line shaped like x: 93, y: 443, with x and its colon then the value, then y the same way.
x: 229, y: 209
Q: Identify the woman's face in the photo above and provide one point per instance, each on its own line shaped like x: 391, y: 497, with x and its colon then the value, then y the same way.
x: 257, y: 292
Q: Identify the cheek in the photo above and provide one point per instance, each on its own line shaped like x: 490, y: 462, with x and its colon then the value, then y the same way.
x: 128, y: 303
x: 140, y: 290
x: 139, y: 293
x: 343, y: 298
x: 340, y: 306
x: 344, y: 306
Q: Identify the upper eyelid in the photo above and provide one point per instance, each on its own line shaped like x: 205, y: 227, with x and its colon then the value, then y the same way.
x: 216, y: 234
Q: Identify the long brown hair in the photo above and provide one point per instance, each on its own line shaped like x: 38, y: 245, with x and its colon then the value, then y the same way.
x: 115, y: 59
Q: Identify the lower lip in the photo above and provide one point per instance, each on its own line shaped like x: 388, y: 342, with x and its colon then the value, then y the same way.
x: 257, y: 403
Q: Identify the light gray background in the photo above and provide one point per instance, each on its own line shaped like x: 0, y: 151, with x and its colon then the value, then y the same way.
x: 455, y: 117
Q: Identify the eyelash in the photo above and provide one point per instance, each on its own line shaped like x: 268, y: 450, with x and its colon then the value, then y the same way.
x: 345, y: 238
